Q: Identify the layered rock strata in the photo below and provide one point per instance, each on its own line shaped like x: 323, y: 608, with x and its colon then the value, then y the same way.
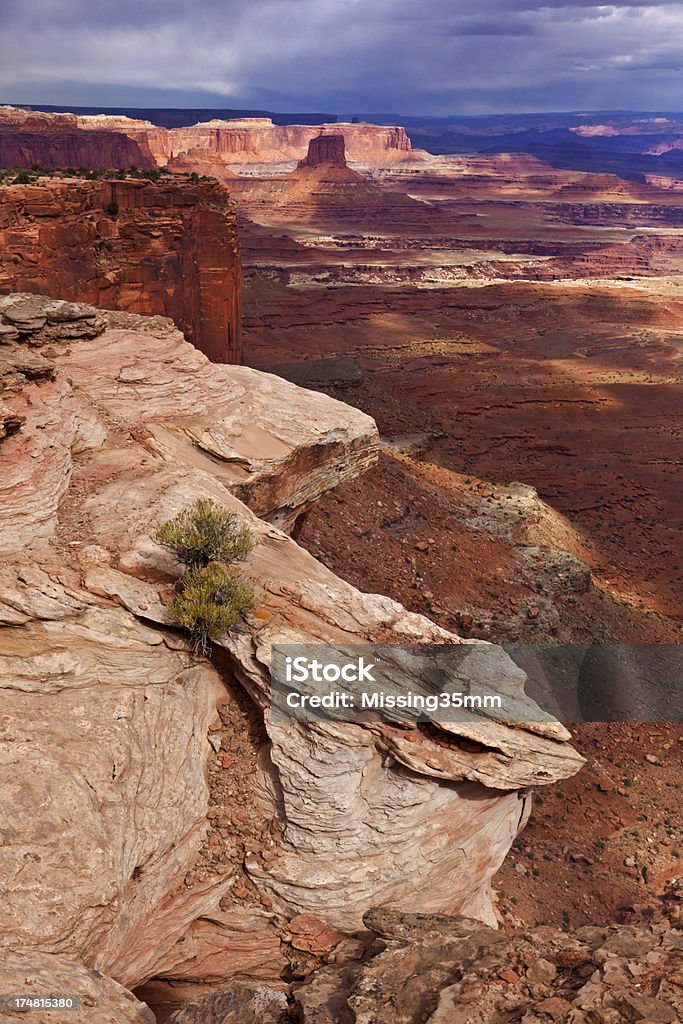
x: 325, y: 149
x: 112, y: 424
x: 259, y: 141
x: 28, y: 978
x: 102, y: 141
x: 167, y: 247
x: 65, y: 140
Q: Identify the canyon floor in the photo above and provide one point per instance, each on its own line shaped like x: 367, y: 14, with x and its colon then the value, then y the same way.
x: 515, y: 330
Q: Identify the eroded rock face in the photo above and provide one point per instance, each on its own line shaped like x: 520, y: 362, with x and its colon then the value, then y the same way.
x: 167, y: 247
x: 102, y: 142
x: 118, y: 423
x: 201, y: 161
x: 259, y: 141
x: 275, y: 445
x: 64, y: 140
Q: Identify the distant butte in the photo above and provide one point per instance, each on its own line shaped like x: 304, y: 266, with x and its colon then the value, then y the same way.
x: 325, y: 149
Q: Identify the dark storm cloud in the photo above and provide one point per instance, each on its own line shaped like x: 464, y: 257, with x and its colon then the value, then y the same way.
x: 433, y: 56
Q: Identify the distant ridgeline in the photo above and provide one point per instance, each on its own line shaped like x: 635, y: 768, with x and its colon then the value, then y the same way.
x: 106, y: 141
x: 179, y: 117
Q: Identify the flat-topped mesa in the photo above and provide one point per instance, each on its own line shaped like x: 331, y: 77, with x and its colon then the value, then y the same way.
x: 168, y: 247
x: 102, y: 142
x: 325, y: 149
x: 65, y: 140
x: 258, y: 140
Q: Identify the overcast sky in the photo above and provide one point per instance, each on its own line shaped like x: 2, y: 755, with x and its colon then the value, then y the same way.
x: 342, y: 56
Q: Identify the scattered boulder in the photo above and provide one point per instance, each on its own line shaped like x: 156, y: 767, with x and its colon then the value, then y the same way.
x: 431, y: 969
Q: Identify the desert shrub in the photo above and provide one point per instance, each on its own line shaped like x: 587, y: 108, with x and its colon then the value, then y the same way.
x: 22, y: 178
x: 205, y: 532
x: 113, y: 208
x: 209, y: 602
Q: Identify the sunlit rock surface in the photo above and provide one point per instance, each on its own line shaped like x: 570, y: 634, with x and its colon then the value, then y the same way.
x: 113, y: 423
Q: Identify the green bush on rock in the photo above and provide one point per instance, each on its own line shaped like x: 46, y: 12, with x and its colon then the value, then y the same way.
x: 210, y: 601
x: 211, y: 595
x: 205, y: 532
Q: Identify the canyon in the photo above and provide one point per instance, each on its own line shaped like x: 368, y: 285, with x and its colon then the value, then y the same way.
x: 461, y: 391
x: 515, y: 331
x: 491, y: 330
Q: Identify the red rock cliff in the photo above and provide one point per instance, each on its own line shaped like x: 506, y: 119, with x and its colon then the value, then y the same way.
x: 258, y: 140
x: 64, y: 140
x: 102, y: 142
x: 166, y: 248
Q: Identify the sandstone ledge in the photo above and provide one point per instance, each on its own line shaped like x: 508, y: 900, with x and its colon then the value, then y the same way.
x: 116, y: 423
x: 277, y: 446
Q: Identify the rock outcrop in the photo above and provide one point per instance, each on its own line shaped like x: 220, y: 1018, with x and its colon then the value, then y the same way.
x: 201, y: 161
x: 259, y: 141
x: 65, y: 140
x: 419, y: 968
x: 440, y: 970
x: 116, y: 848
x: 323, y: 190
x: 236, y: 1004
x: 168, y: 247
x: 95, y: 999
